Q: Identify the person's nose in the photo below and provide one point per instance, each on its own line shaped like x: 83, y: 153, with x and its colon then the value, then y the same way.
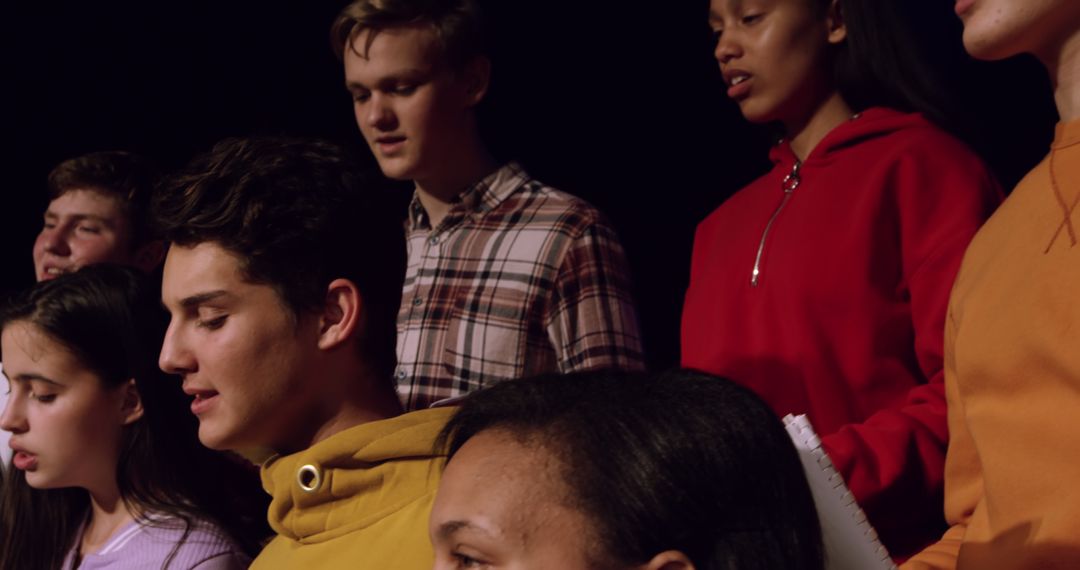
x: 54, y: 240
x: 380, y: 113
x: 727, y: 47
x: 13, y: 418
x: 175, y: 357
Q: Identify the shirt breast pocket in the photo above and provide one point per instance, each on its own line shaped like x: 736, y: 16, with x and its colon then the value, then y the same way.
x: 487, y: 339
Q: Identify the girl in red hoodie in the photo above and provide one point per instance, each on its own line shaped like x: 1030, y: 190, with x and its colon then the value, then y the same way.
x: 823, y: 284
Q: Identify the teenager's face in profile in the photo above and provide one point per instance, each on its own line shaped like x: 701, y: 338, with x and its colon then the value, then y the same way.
x: 503, y: 504
x: 996, y: 29
x: 243, y: 357
x: 773, y: 56
x: 66, y: 425
x: 411, y: 109
x: 81, y: 227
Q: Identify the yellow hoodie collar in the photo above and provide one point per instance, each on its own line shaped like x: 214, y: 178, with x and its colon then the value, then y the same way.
x: 355, y: 477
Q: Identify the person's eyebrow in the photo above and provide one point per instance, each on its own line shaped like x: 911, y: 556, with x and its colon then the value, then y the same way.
x: 450, y: 528
x: 36, y: 378
x: 49, y: 214
x: 196, y: 300
x: 715, y: 16
x: 408, y: 74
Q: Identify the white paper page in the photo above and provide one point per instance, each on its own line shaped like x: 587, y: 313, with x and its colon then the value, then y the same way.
x: 850, y: 542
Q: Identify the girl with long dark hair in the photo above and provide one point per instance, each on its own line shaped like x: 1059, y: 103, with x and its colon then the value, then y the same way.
x: 823, y: 284
x: 107, y: 468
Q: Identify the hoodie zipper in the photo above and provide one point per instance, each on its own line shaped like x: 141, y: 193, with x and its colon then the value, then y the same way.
x: 788, y: 185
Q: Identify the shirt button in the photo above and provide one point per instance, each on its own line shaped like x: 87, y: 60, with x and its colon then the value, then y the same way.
x: 401, y: 374
x: 417, y: 301
x: 433, y: 240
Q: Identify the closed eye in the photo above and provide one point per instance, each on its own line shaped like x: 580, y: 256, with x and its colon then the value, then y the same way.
x: 465, y: 561
x: 212, y: 324
x: 43, y: 398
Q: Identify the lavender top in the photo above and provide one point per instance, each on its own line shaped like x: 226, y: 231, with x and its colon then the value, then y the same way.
x: 147, y: 544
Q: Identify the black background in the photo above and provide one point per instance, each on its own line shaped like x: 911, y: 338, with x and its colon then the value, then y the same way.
x: 620, y: 103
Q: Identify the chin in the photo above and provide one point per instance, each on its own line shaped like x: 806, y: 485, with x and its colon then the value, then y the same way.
x: 980, y: 49
x: 755, y: 114
x: 399, y: 173
x: 393, y: 167
x: 39, y: 480
x: 986, y: 43
x: 213, y: 439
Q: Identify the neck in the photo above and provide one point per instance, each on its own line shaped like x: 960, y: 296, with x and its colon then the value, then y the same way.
x: 358, y: 401
x: 1064, y: 68
x: 468, y: 165
x: 380, y: 408
x: 805, y: 134
x: 108, y: 513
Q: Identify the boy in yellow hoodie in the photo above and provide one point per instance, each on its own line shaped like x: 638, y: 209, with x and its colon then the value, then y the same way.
x: 1012, y: 342
x: 283, y: 280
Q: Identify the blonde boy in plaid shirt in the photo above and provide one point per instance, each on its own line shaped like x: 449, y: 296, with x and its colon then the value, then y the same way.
x: 506, y: 277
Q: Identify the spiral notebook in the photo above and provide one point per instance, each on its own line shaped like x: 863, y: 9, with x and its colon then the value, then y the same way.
x: 850, y: 542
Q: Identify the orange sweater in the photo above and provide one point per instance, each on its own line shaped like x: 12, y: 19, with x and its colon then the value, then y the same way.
x: 1012, y: 378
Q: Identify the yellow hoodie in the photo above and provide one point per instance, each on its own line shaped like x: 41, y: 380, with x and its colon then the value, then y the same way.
x: 1012, y: 378
x: 373, y: 489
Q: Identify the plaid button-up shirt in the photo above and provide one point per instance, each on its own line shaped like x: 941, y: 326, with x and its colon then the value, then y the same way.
x: 518, y: 279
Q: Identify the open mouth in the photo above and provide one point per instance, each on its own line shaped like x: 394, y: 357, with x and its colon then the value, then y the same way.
x: 25, y: 461
x: 203, y: 401
x: 389, y: 145
x: 50, y: 272
x: 739, y: 86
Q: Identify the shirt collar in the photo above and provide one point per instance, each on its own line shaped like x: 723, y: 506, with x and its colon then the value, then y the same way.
x: 476, y: 200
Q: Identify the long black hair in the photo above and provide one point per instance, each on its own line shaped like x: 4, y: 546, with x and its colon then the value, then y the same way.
x: 111, y: 320
x: 675, y: 461
x: 883, y: 63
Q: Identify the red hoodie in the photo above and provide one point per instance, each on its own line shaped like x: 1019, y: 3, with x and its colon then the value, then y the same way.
x: 855, y: 250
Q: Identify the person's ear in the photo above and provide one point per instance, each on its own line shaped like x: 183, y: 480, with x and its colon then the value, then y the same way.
x: 834, y: 20
x: 340, y: 314
x: 131, y: 407
x: 668, y: 560
x: 476, y: 77
x: 148, y: 256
